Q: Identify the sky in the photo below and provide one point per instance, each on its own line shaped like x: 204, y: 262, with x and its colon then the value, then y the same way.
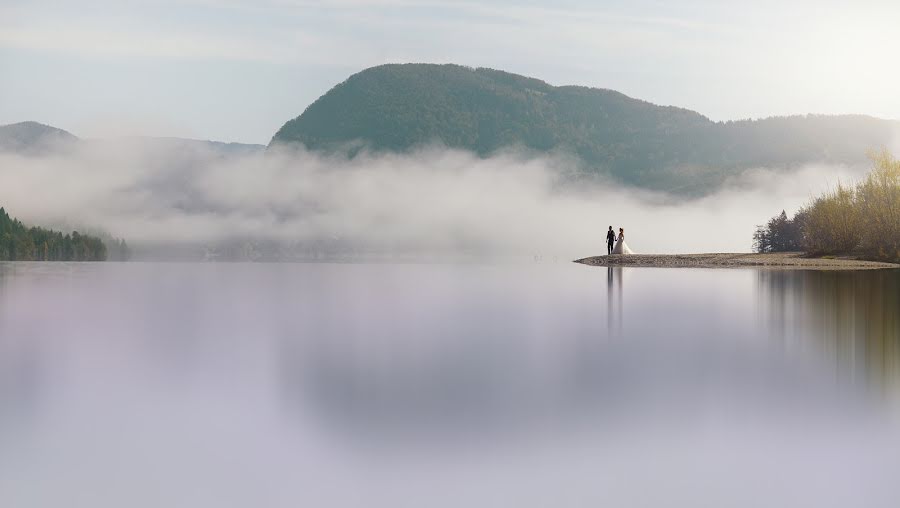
x: 236, y: 70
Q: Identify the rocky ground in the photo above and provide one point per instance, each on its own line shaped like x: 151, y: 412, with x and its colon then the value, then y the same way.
x: 786, y: 260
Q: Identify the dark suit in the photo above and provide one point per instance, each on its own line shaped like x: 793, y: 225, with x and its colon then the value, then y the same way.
x: 610, y: 240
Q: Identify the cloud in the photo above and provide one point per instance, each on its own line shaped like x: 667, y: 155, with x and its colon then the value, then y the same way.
x: 431, y: 200
x: 113, y: 42
x: 329, y: 32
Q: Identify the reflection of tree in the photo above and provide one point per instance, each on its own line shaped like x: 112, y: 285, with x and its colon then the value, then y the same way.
x: 854, y: 318
x: 20, y: 370
x: 19, y: 358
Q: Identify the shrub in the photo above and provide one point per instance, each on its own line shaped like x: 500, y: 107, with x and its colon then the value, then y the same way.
x: 878, y: 200
x: 864, y: 219
x: 832, y: 223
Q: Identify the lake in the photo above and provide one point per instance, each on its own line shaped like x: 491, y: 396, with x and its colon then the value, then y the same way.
x: 391, y: 385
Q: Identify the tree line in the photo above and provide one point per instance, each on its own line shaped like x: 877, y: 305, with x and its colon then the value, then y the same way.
x: 19, y: 242
x: 863, y: 219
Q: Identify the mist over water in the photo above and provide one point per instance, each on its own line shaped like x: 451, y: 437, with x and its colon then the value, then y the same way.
x: 433, y: 200
x: 306, y: 329
x: 148, y: 385
x: 478, y: 384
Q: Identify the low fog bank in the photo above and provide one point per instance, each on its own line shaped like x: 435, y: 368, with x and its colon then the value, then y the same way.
x: 190, y: 201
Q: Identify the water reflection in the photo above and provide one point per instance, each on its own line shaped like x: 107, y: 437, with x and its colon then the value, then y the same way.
x: 22, y: 363
x: 850, y: 320
x: 481, y: 365
x: 20, y: 378
x: 442, y: 385
x: 614, y: 301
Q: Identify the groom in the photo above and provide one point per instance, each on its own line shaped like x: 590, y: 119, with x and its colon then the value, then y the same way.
x: 610, y: 240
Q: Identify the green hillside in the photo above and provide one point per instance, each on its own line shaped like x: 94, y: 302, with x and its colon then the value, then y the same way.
x: 398, y: 107
x: 22, y: 243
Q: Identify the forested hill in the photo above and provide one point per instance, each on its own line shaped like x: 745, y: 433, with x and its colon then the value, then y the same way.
x: 33, y: 137
x: 398, y: 107
x: 22, y: 243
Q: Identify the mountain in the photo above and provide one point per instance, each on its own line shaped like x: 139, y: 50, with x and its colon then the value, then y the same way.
x: 33, y: 138
x: 400, y: 106
x: 171, y: 144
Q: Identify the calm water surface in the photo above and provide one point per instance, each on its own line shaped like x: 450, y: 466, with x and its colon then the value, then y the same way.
x: 149, y: 385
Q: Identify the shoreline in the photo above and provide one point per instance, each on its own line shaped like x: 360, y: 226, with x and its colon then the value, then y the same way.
x: 779, y: 260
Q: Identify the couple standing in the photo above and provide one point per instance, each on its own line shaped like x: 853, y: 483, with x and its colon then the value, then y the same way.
x: 620, y: 247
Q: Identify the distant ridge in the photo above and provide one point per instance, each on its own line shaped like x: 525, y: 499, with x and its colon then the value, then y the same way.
x: 220, y: 147
x: 32, y: 137
x: 397, y: 107
x: 36, y: 138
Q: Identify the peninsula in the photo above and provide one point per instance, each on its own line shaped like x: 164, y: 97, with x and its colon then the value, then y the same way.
x: 780, y: 260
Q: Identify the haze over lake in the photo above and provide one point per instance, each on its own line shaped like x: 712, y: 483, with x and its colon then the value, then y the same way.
x: 319, y: 253
x: 148, y: 385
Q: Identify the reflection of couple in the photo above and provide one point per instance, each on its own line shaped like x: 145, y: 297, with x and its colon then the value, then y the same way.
x: 620, y: 247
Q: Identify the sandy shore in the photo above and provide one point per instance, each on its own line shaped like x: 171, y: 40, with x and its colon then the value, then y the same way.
x: 784, y: 260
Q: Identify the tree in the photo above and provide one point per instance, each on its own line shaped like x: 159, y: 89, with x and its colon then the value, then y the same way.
x: 878, y: 199
x: 780, y: 234
x: 21, y: 243
x: 862, y: 220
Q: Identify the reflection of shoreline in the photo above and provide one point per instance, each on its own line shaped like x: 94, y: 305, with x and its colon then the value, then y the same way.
x: 851, y: 316
x: 614, y: 301
x: 777, y: 260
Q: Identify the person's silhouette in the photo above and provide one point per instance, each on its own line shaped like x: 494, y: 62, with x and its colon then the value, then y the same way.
x: 610, y: 240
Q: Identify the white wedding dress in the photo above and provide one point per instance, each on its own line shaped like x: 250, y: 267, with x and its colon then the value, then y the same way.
x: 622, y: 247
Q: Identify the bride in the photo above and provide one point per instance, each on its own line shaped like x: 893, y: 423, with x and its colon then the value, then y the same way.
x: 621, y: 247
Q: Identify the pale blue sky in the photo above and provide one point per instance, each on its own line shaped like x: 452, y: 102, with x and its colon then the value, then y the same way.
x: 235, y: 70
